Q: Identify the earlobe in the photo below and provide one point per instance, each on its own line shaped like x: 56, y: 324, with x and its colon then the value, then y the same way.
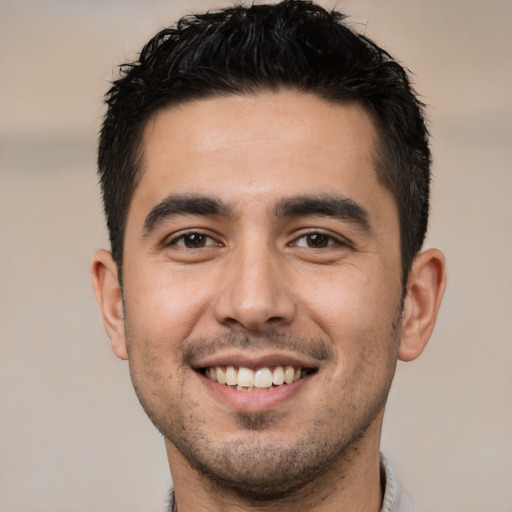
x: 109, y: 296
x: 425, y: 288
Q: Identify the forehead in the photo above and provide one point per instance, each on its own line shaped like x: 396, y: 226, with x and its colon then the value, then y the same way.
x: 259, y: 148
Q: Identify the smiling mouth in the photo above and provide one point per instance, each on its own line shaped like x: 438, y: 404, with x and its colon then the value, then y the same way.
x: 257, y: 379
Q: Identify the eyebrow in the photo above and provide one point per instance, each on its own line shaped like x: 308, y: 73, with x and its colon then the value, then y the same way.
x: 335, y: 206
x: 182, y: 204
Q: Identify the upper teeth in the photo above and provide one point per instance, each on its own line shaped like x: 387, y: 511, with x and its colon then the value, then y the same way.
x: 247, y: 378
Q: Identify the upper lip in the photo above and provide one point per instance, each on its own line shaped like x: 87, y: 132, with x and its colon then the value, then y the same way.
x: 255, y: 359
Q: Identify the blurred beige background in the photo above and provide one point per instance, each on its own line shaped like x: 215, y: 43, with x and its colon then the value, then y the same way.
x: 72, y: 434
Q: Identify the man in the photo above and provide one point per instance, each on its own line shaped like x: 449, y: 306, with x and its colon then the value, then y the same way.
x: 265, y: 173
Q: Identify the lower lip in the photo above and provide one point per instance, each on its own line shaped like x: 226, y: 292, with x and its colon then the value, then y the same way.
x: 252, y: 401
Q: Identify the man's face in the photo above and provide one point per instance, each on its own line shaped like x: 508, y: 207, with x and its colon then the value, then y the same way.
x: 258, y: 240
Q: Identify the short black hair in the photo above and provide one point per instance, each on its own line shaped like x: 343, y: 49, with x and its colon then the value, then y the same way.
x: 294, y: 45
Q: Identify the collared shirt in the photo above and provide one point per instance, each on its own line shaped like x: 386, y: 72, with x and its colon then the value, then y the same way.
x: 395, y: 498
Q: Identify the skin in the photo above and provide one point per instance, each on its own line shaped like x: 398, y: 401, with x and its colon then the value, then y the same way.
x: 257, y: 283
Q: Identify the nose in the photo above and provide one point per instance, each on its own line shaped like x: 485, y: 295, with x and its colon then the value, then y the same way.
x: 255, y: 292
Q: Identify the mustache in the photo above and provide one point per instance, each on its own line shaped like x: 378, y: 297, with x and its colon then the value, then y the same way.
x: 315, y: 348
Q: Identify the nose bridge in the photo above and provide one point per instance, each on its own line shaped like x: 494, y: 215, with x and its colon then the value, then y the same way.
x: 254, y: 293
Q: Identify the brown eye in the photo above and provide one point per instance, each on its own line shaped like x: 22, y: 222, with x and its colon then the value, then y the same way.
x: 318, y: 241
x: 194, y: 241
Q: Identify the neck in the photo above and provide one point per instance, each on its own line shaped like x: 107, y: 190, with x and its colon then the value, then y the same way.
x: 351, y: 484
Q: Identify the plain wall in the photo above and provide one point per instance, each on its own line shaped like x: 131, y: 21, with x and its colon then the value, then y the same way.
x: 72, y: 434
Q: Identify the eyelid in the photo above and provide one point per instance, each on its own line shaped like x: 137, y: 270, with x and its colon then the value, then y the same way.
x: 334, y: 237
x: 172, y: 240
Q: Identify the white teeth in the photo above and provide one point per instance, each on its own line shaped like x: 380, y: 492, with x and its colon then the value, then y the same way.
x: 253, y: 380
x: 278, y: 376
x: 289, y: 374
x: 231, y: 376
x: 245, y: 377
x: 263, y: 378
x: 221, y: 376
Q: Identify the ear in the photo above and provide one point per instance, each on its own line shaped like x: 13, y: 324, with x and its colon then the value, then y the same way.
x: 425, y: 288
x: 109, y: 296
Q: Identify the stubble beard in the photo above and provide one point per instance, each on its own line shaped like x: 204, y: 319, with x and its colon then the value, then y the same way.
x: 253, y: 466
x: 258, y: 470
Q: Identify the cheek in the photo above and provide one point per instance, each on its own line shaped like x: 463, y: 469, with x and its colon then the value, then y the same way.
x: 359, y: 315
x: 347, y: 300
x: 164, y: 307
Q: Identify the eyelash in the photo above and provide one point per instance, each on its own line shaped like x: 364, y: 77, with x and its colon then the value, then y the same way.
x: 181, y: 238
x: 328, y: 239
x: 331, y: 240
